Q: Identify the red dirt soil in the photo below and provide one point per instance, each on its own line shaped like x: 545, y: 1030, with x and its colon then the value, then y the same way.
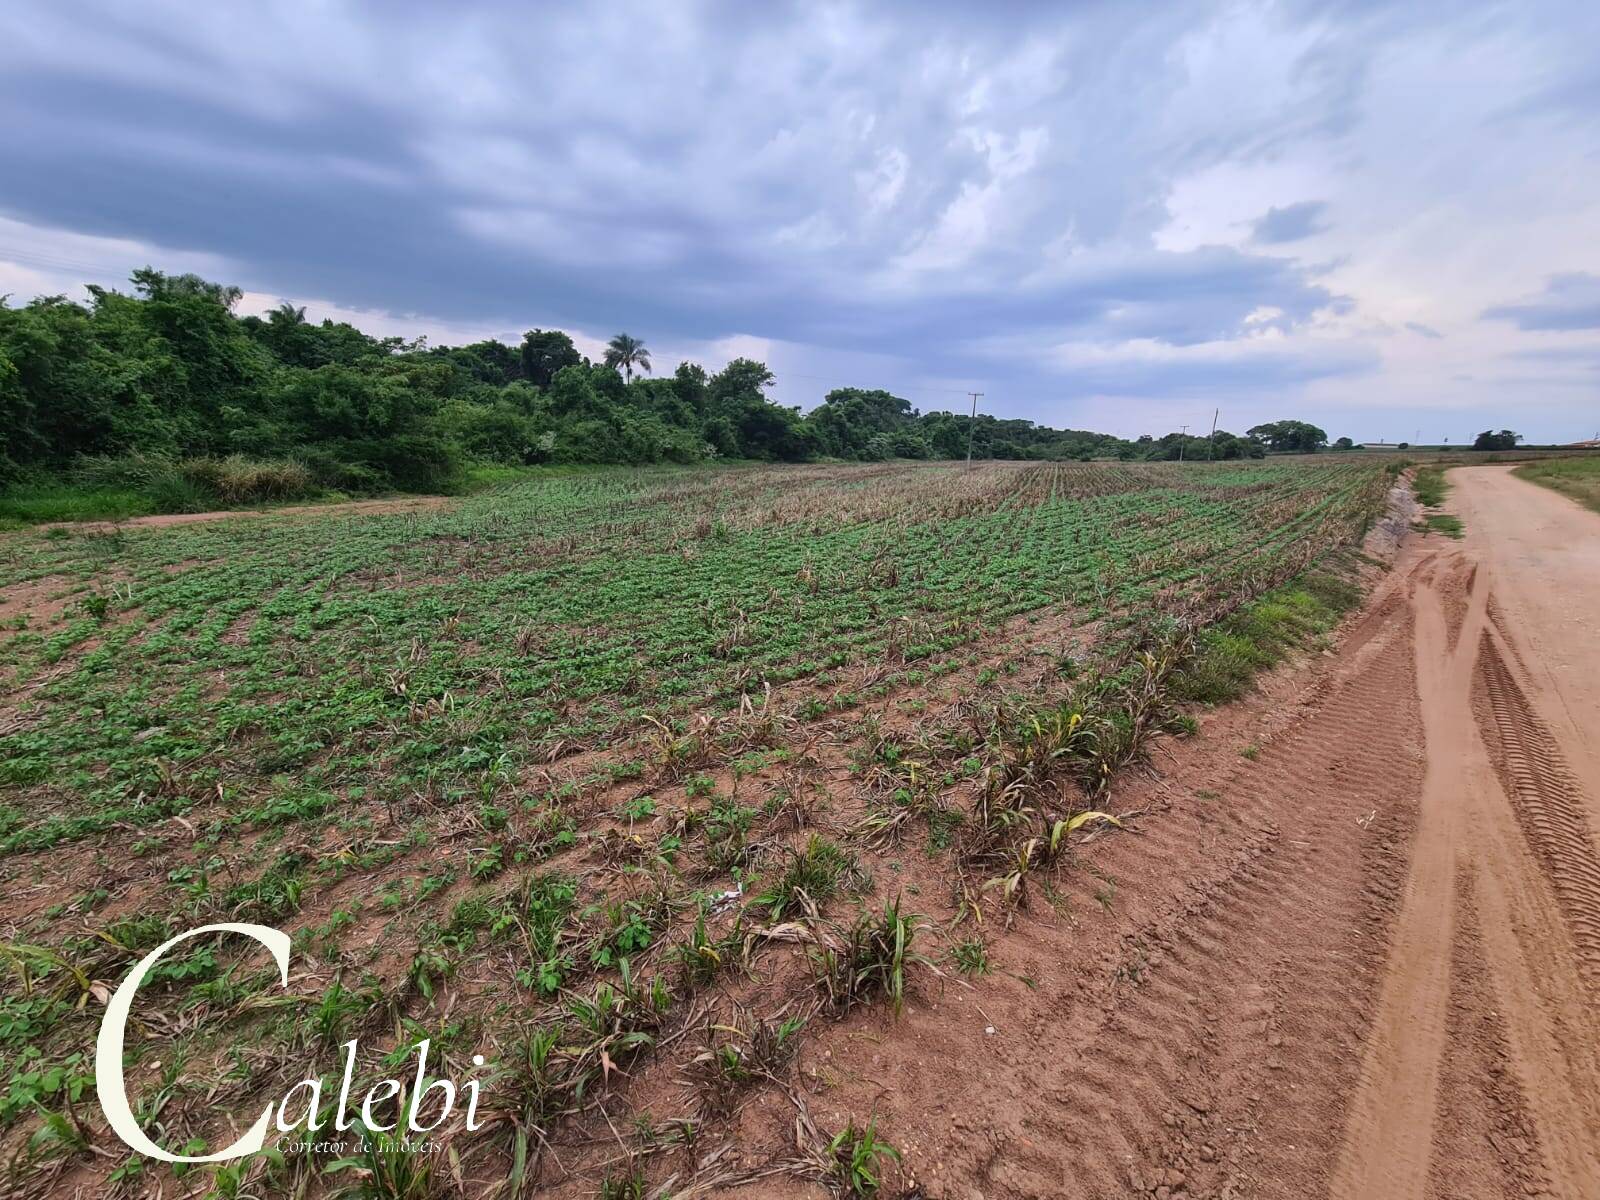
x: 1362, y: 962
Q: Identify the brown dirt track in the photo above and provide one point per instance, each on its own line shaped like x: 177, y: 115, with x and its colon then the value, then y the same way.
x: 369, y: 508
x: 1363, y: 965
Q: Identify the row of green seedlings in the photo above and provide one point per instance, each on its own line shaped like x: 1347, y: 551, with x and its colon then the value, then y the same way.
x: 563, y: 1065
x: 810, y: 875
x: 870, y: 958
x: 276, y: 893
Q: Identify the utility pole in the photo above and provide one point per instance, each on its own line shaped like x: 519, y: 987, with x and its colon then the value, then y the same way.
x: 972, y: 425
x: 1181, y: 440
x: 1211, y: 446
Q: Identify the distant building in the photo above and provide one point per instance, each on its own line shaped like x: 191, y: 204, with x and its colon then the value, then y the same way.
x: 1591, y: 444
x: 1379, y: 445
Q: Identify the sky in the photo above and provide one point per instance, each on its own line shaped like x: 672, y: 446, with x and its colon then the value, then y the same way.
x: 1123, y: 217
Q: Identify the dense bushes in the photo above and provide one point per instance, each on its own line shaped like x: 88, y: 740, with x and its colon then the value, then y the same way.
x: 170, y: 375
x: 200, y: 406
x: 104, y: 487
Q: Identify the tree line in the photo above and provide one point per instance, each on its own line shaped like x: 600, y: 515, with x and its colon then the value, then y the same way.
x: 170, y: 373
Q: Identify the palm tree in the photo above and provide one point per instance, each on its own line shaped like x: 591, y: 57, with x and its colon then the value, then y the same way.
x: 288, y: 314
x: 626, y: 352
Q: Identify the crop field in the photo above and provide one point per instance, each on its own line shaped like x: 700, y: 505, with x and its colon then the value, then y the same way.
x: 621, y: 780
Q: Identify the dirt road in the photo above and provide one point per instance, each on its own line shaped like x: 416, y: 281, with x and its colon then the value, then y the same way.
x: 1358, y: 954
x: 1476, y: 1043
x: 371, y: 508
x: 1498, y: 931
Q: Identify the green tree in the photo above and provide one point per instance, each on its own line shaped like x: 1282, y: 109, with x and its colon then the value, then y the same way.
x: 545, y: 353
x: 861, y: 424
x: 1290, y: 437
x: 691, y: 383
x: 625, y: 353
x: 155, y: 285
x: 1504, y: 440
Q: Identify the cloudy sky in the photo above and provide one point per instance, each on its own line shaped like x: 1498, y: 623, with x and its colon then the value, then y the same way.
x: 1384, y: 218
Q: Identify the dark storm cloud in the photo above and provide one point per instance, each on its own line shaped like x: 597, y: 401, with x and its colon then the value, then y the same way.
x: 1569, y: 301
x: 700, y: 183
x: 964, y: 190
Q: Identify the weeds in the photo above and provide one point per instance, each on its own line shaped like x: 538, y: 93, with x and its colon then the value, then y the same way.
x: 1228, y: 655
x: 1444, y: 523
x: 1429, y: 485
x: 546, y: 904
x: 813, y: 875
x: 628, y: 930
x: 855, y: 1155
x: 1578, y: 477
x: 533, y: 1075
x: 387, y: 1167
x: 628, y: 1184
x: 970, y: 956
x: 873, y: 959
x: 737, y: 1054
x: 701, y: 956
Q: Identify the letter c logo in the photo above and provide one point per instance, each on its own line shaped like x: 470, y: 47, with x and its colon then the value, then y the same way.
x: 108, y: 1080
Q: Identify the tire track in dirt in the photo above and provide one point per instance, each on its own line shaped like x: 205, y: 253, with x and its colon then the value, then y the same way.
x: 1389, y: 1127
x: 1217, y: 1012
x: 1480, y: 1072
x: 1549, y: 808
x: 1482, y: 1104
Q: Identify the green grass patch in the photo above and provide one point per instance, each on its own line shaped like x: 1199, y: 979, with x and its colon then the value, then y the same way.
x: 1430, y: 486
x: 37, y: 504
x: 1260, y: 635
x: 1575, y: 477
x: 117, y: 488
x: 1443, y: 523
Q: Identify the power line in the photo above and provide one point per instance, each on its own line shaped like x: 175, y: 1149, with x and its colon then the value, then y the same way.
x: 53, y: 262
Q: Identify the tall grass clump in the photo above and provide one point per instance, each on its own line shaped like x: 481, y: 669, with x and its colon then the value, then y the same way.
x: 238, y: 480
x: 1575, y: 477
